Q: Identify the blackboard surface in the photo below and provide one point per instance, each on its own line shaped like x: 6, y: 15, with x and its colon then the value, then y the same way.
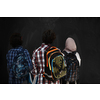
x: 85, y: 32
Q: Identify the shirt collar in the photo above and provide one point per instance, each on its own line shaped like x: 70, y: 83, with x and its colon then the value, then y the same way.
x: 45, y: 44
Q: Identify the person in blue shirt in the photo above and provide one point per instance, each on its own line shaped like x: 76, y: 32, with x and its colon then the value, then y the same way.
x: 16, y: 43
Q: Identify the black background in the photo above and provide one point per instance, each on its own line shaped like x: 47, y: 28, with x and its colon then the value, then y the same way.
x: 85, y: 32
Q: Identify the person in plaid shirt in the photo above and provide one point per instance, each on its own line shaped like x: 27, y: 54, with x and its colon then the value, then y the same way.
x: 38, y: 57
x: 16, y: 42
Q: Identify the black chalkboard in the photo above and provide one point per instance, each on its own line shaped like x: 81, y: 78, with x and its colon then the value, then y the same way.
x: 85, y: 32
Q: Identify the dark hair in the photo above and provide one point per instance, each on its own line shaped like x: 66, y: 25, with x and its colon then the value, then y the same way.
x: 15, y: 40
x: 48, y: 37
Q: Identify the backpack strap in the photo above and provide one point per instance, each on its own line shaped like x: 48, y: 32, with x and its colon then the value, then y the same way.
x: 65, y: 53
x: 68, y: 53
x: 51, y: 47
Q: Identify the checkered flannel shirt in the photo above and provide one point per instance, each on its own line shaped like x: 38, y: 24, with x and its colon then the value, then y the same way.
x: 10, y: 57
x: 39, y: 64
x: 72, y: 72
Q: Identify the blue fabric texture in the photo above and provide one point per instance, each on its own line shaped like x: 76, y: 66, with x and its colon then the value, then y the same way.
x: 12, y: 53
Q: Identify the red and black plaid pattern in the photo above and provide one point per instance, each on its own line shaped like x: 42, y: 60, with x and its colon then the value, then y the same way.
x: 39, y: 64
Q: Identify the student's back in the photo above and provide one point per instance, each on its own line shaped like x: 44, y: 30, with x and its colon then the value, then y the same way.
x: 38, y: 58
x: 73, y: 61
x: 16, y: 43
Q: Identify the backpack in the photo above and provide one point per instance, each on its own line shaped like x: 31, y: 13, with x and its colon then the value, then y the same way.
x: 20, y: 66
x: 72, y: 67
x: 55, y: 67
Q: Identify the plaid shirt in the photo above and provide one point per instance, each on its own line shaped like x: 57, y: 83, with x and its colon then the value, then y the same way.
x: 39, y: 64
x: 10, y: 57
x: 72, y: 70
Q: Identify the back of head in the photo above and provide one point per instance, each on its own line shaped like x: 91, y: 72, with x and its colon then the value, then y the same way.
x: 15, y: 40
x: 48, y: 37
x: 70, y: 45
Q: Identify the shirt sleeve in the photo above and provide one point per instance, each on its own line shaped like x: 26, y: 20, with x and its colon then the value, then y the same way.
x: 34, y: 71
x: 29, y: 59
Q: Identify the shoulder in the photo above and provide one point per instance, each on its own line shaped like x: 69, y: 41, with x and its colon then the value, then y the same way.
x: 25, y: 50
x: 40, y: 48
x: 15, y: 50
x: 36, y: 50
x: 11, y: 51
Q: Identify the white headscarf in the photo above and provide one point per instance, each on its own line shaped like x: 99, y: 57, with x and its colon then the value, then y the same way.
x: 70, y: 45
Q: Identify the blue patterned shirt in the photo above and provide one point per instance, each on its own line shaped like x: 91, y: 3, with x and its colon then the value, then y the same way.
x: 10, y: 57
